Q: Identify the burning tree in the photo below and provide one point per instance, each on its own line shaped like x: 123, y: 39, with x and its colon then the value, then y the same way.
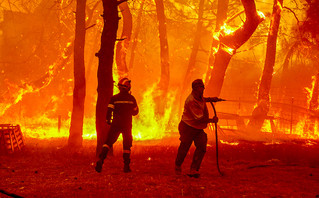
x: 229, y: 42
x: 305, y: 47
x: 310, y: 39
x: 220, y: 18
x: 261, y: 111
x: 31, y: 58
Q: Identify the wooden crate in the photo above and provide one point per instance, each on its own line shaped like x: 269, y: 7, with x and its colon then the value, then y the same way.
x: 11, y: 138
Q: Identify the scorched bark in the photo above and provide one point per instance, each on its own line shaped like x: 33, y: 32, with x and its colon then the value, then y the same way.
x: 104, y: 73
x: 261, y: 111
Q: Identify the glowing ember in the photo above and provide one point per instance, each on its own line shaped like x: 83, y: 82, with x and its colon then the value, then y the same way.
x: 229, y: 143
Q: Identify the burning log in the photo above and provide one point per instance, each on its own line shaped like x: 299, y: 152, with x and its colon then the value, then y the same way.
x: 11, y: 138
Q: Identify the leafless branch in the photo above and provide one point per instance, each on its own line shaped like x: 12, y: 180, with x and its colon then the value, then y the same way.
x: 90, y: 26
x: 292, y: 13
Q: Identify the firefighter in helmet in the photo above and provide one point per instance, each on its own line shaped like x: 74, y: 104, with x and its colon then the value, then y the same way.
x: 191, y: 129
x: 122, y: 106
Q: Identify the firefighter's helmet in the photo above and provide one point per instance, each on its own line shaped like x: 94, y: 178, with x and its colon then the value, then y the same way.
x: 124, y: 84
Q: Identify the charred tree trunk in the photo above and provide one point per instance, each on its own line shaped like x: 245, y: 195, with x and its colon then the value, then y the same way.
x: 135, y: 34
x: 192, y: 59
x: 104, y: 73
x: 222, y: 9
x: 123, y: 44
x: 229, y: 43
x: 313, y: 105
x: 261, y: 111
x: 76, y: 128
x: 165, y: 75
x: 309, y: 127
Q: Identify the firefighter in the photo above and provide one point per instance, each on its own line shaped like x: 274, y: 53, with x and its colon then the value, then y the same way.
x: 191, y: 128
x: 122, y: 106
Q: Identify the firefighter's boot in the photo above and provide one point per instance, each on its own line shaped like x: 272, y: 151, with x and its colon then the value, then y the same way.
x: 194, y: 173
x: 127, y: 160
x: 102, y: 156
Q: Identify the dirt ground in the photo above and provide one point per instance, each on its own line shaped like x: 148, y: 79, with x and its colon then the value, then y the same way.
x: 46, y: 168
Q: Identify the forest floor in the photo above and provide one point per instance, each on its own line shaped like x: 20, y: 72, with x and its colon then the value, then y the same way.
x: 46, y: 168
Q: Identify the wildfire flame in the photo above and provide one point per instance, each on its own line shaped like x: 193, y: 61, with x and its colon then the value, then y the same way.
x: 147, y: 125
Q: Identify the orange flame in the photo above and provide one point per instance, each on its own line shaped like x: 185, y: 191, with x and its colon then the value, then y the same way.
x: 147, y: 125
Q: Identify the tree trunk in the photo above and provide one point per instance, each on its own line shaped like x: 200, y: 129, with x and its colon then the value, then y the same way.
x: 165, y: 75
x: 313, y: 104
x: 135, y: 34
x: 104, y: 73
x: 76, y: 128
x: 222, y: 9
x: 309, y: 127
x: 192, y: 59
x: 261, y: 111
x: 229, y: 43
x: 122, y: 45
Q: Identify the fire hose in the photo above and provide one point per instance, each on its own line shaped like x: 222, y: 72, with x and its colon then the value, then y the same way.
x: 211, y: 100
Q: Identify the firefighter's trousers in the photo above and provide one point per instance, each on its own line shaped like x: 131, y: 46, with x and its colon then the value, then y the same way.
x: 113, y: 135
x: 189, y: 134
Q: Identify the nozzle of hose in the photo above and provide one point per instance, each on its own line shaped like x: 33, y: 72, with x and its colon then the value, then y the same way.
x: 213, y: 99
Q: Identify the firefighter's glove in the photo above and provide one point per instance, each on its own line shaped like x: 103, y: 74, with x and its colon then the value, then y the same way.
x: 108, y: 122
x: 214, y: 119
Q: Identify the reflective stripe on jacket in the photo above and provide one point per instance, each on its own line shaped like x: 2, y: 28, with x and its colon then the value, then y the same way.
x: 123, y: 106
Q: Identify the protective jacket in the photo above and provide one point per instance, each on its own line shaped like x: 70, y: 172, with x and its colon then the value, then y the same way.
x: 123, y: 106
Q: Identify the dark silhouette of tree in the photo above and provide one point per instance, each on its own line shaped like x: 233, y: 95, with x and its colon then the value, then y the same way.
x: 76, y: 128
x: 261, y: 111
x: 104, y: 73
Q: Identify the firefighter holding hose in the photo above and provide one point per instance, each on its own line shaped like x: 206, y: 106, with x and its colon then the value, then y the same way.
x: 191, y: 128
x: 122, y: 106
